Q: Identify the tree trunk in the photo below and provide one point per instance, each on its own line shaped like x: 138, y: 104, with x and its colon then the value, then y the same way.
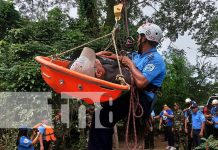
x: 87, y: 11
x: 110, y: 13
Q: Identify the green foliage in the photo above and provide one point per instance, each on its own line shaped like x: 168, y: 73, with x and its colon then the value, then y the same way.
x: 37, y: 10
x: 9, y: 17
x: 208, y: 37
x: 175, y: 86
x: 44, y: 32
x: 89, y: 16
x: 179, y: 16
x: 8, y: 139
x: 17, y: 64
x: 205, y: 79
x: 211, y: 143
x: 183, y: 80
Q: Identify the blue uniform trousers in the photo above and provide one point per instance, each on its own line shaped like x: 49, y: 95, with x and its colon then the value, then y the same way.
x: 196, y: 137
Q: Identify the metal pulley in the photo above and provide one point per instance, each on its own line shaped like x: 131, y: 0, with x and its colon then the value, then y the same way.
x: 117, y: 11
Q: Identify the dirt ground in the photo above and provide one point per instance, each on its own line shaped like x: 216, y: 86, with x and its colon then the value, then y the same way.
x: 159, y: 144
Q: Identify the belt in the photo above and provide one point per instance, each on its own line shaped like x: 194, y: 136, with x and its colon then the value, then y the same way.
x: 196, y: 129
x: 152, y: 88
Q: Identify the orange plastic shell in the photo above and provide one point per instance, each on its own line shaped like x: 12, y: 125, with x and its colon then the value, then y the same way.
x: 72, y: 83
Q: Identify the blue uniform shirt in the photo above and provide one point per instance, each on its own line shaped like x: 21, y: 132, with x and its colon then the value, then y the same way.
x: 25, y: 144
x: 151, y: 65
x: 215, y: 120
x: 197, y: 120
x: 42, y: 131
x: 169, y: 121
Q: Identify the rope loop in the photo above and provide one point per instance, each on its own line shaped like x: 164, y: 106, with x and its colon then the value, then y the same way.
x: 121, y: 79
x: 134, y: 104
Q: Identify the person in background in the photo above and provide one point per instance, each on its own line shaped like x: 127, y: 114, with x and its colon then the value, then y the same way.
x: 198, y: 125
x: 178, y: 124
x: 167, y: 115
x: 162, y: 124
x: 214, y: 123
x: 23, y: 141
x: 188, y: 102
x: 44, y: 145
x: 214, y: 106
x: 208, y: 116
x: 149, y: 134
x: 46, y: 132
x: 188, y: 123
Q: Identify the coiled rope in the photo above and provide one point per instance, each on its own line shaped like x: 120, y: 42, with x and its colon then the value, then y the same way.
x: 134, y: 105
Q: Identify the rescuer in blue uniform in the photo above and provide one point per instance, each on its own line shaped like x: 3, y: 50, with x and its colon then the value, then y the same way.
x: 148, y: 71
x: 23, y: 141
x: 198, y: 125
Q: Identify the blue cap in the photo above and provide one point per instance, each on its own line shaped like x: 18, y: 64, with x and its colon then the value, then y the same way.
x: 194, y: 105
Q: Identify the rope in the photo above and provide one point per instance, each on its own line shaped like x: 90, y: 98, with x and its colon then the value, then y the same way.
x: 65, y: 52
x: 132, y: 111
x: 116, y: 51
x: 108, y: 46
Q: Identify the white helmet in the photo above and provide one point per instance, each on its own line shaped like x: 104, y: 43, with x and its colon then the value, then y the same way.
x: 188, y: 100
x: 214, y: 102
x: 151, y: 31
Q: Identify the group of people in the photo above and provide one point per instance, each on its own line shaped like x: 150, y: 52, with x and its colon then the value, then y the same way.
x: 145, y: 70
x: 39, y: 136
x: 211, y: 115
x: 186, y: 127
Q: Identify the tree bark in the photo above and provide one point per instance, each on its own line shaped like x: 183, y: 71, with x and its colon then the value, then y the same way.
x: 110, y: 13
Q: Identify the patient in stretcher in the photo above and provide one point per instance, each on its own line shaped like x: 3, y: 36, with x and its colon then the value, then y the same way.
x: 92, y: 64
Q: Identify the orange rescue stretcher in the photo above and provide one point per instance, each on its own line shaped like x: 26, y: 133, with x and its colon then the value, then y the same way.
x: 56, y: 74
